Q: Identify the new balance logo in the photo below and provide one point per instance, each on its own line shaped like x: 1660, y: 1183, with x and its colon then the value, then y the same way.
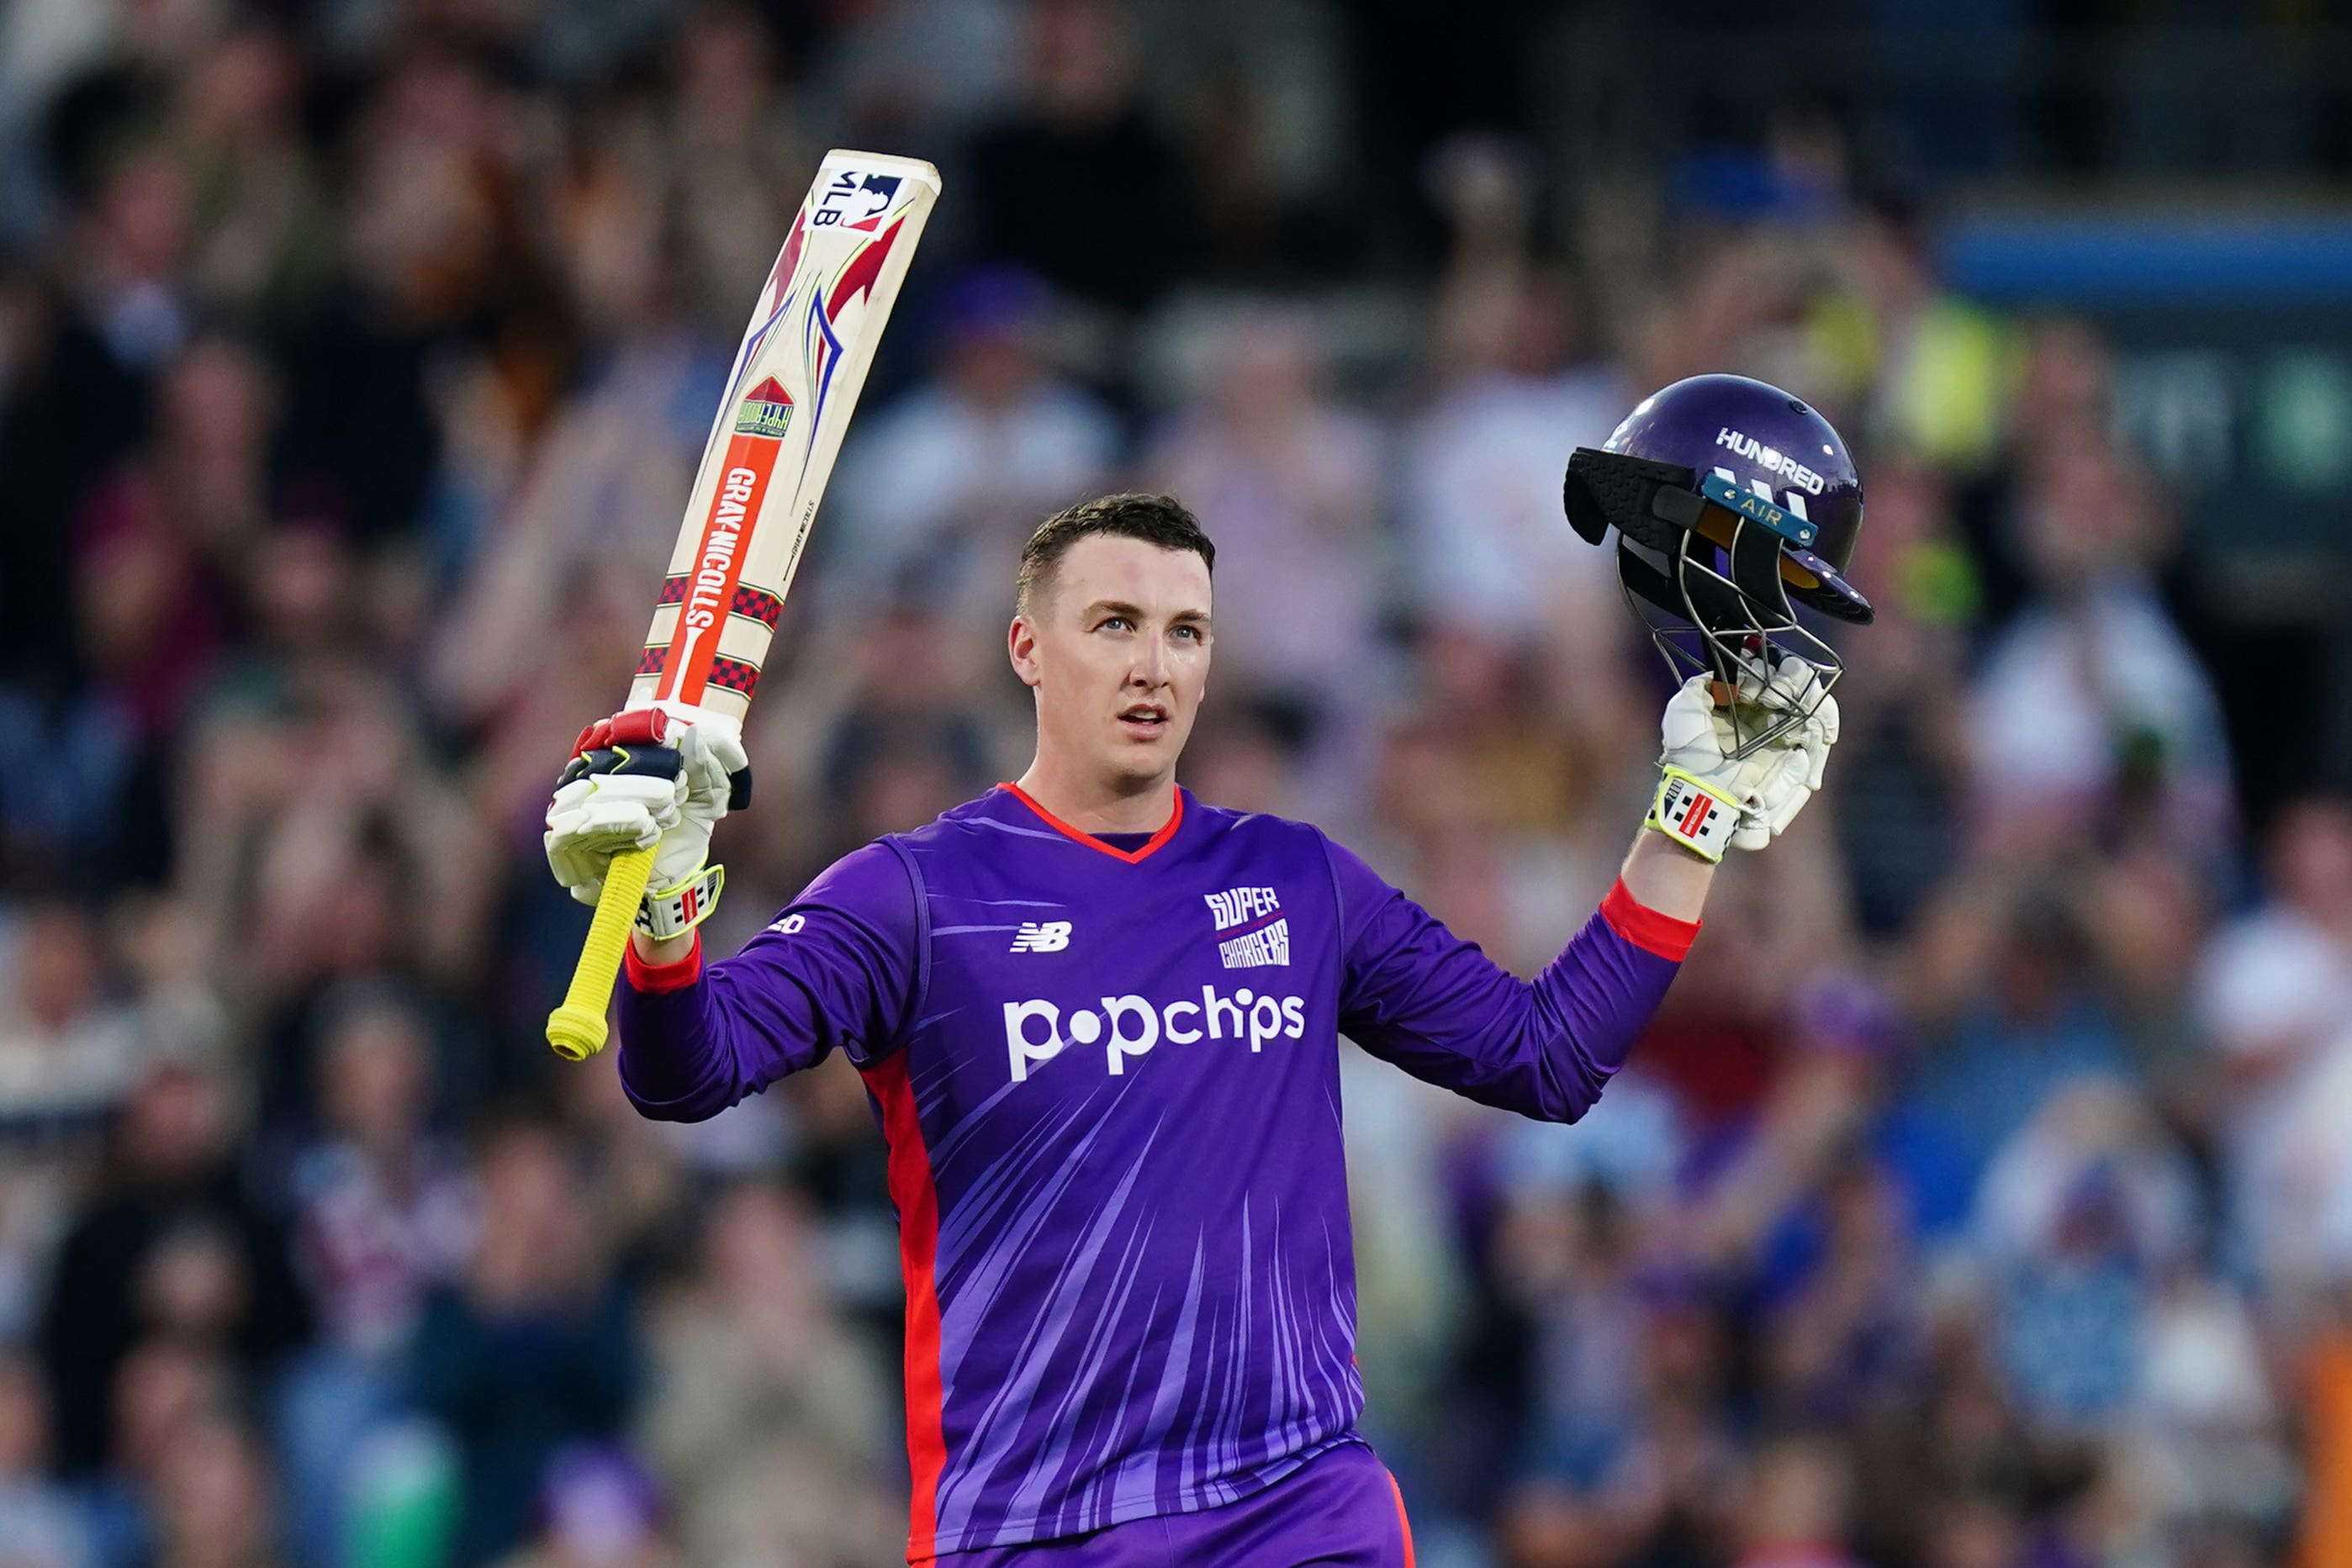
x: 1042, y: 936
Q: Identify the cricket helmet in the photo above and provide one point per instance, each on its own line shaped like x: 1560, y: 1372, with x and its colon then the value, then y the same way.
x: 1729, y: 498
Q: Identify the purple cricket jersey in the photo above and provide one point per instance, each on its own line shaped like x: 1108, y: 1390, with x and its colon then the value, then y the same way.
x: 1109, y: 1081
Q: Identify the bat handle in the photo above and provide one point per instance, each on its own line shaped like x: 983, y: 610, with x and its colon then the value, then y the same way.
x: 576, y: 1030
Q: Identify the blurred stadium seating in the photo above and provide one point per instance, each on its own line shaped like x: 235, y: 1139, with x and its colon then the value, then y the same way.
x: 1983, y: 1198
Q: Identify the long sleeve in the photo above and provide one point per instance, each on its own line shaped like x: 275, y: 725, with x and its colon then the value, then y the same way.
x: 840, y: 968
x: 1416, y: 995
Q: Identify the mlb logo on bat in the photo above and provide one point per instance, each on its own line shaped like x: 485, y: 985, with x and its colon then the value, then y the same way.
x: 1042, y: 936
x: 856, y: 200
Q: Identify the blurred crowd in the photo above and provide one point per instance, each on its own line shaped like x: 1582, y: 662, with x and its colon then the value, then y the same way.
x: 1981, y: 1199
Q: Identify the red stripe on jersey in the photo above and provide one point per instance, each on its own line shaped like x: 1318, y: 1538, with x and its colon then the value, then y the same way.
x: 1092, y: 842
x: 1404, y: 1525
x: 1645, y: 928
x: 919, y: 1242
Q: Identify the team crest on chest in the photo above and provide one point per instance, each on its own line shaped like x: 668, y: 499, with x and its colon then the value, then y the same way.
x: 1252, y: 931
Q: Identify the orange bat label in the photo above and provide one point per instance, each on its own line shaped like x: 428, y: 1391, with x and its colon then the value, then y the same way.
x: 718, y: 563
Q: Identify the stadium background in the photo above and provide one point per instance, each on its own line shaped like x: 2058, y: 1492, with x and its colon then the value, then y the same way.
x: 1981, y: 1199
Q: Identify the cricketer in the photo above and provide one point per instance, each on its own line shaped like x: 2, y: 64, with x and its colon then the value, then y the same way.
x: 1099, y: 1019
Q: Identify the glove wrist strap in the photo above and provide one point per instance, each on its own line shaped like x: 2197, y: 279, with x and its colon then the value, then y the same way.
x: 1693, y: 815
x: 675, y: 911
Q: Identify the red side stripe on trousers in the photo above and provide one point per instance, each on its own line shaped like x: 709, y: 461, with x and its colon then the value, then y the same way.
x: 918, y: 1240
x: 1404, y: 1525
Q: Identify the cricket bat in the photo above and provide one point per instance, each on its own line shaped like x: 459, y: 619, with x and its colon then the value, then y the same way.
x: 764, y: 465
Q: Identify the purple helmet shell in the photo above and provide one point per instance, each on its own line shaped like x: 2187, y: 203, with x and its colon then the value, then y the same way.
x: 1771, y: 445
x: 1728, y: 499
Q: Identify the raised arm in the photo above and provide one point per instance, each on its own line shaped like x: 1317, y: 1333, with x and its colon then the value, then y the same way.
x: 839, y: 970
x: 840, y: 966
x: 1415, y: 994
x: 1419, y: 996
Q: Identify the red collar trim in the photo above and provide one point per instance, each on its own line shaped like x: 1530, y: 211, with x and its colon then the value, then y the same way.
x: 1175, y: 818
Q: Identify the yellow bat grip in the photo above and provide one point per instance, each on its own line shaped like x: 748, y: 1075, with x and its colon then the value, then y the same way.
x: 576, y: 1030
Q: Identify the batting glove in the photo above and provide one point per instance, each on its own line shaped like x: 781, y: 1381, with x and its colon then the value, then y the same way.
x: 1800, y: 758
x: 1709, y: 801
x: 659, y: 775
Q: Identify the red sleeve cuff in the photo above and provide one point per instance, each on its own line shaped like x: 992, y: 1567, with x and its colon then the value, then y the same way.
x: 1646, y: 928
x: 654, y: 979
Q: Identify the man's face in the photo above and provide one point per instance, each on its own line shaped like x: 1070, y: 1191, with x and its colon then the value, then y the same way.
x: 1117, y: 648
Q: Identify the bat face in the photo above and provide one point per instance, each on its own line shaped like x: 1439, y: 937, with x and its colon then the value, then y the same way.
x: 778, y: 428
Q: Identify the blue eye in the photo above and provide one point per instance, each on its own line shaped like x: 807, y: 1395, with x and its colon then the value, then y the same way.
x: 1111, y: 620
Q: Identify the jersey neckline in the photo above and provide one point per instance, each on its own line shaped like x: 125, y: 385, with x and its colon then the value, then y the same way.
x: 1149, y: 846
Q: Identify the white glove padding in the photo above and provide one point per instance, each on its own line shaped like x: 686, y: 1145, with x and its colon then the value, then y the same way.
x: 662, y: 774
x: 1763, y: 792
x: 1799, y: 764
x: 1706, y: 796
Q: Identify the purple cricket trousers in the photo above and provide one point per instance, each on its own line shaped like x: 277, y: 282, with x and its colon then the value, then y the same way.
x: 1339, y: 1510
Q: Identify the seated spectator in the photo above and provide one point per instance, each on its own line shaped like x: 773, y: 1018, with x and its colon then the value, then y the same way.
x: 166, y: 1387
x: 2091, y: 702
x: 768, y: 1423
x: 69, y: 1054
x: 534, y: 1348
x: 2080, y: 1219
x: 162, y: 547
x: 40, y: 1524
x: 1083, y: 126
x: 1481, y: 485
x: 176, y: 1244
x: 383, y: 1216
x: 2274, y: 993
x: 214, y: 1504
x: 1289, y: 480
x: 2002, y: 979
x: 1799, y: 1500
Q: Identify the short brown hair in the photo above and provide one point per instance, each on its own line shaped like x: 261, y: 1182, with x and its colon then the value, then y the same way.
x: 1161, y: 520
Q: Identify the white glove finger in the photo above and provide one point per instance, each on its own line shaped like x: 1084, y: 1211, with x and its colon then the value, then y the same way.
x: 581, y: 873
x: 1690, y: 715
x: 707, y: 781
x: 1787, y: 810
x: 1792, y: 688
x: 1785, y: 791
x: 1755, y: 678
x: 1753, y: 833
x: 698, y: 730
x: 1819, y: 734
x: 611, y: 796
x: 723, y: 742
x: 616, y: 825
x: 570, y: 796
